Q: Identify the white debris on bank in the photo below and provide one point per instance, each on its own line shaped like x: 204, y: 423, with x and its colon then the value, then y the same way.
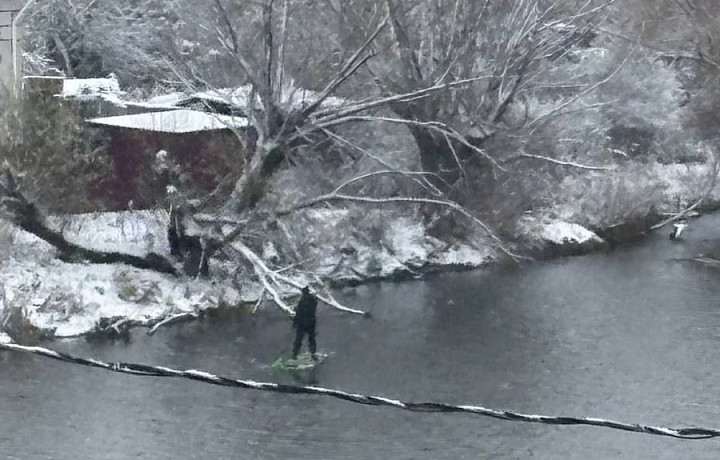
x: 542, y: 231
x: 407, y: 242
x: 463, y: 255
x: 565, y: 232
x: 404, y: 248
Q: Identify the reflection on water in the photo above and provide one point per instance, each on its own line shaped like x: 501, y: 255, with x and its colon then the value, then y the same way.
x: 631, y: 335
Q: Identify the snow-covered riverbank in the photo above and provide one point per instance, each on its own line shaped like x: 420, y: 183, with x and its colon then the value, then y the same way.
x: 70, y: 299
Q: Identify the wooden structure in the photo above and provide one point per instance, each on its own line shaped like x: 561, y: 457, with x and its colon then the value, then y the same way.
x: 200, y: 143
x: 9, y: 61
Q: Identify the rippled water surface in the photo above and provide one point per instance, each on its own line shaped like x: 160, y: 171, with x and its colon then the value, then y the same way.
x: 632, y: 335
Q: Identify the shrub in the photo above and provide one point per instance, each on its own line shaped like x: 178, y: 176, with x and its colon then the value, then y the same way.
x: 56, y: 157
x: 15, y: 322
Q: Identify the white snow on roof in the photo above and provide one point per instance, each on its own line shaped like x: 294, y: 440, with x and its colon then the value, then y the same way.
x: 174, y: 121
x: 233, y: 96
x: 89, y: 88
x: 167, y: 101
x: 169, y: 98
x: 292, y: 97
x: 237, y: 97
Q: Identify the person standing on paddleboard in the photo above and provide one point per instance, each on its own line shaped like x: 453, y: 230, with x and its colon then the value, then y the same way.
x: 304, y: 322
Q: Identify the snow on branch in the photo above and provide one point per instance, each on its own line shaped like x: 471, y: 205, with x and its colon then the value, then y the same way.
x: 335, y: 196
x: 559, y: 109
x: 436, y: 126
x: 273, y: 282
x: 421, y: 181
x: 565, y: 163
x: 263, y: 272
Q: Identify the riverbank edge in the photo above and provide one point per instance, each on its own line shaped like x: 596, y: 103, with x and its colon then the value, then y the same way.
x: 542, y: 236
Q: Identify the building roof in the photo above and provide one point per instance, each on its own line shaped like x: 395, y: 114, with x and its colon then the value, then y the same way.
x: 173, y: 121
x: 235, y: 101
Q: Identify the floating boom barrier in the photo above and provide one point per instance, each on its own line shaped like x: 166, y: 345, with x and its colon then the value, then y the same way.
x: 205, y: 377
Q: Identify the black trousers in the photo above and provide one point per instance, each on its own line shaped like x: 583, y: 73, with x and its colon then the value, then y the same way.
x: 300, y: 331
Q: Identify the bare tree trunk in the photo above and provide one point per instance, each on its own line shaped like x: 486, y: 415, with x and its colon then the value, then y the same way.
x: 436, y: 156
x: 60, y: 45
x: 251, y: 186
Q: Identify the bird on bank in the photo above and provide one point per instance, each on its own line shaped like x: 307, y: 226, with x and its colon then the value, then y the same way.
x: 679, y: 227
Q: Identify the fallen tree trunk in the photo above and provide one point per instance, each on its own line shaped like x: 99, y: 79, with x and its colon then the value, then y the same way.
x: 27, y: 216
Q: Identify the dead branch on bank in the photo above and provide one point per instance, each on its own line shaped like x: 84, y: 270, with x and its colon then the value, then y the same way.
x: 172, y: 319
x: 273, y: 282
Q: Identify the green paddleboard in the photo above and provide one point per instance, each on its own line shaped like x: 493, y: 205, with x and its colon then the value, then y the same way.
x: 303, y: 361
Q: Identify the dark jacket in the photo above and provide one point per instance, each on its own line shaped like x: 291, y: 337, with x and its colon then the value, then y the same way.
x: 305, y: 311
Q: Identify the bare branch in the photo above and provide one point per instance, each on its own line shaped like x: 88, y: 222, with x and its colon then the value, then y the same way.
x: 64, y: 53
x: 263, y: 273
x: 171, y: 319
x: 231, y: 30
x: 413, y: 200
x: 422, y: 182
x: 260, y: 299
x: 323, y: 116
x: 328, y: 299
x: 408, y: 56
x: 351, y: 66
x: 437, y: 126
x: 381, y: 173
x: 455, y: 155
x: 590, y: 89
x: 565, y: 163
x: 279, y: 79
x: 272, y: 281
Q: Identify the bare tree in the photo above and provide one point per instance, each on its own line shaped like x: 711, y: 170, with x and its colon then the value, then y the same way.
x: 509, y: 42
x: 88, y: 38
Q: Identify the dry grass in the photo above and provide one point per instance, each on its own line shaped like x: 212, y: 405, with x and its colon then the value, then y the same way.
x: 14, y: 321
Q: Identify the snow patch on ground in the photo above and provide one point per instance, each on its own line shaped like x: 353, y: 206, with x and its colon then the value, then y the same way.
x: 70, y: 299
x: 463, y: 255
x: 132, y: 232
x: 406, y: 240
x: 564, y: 232
x: 558, y: 232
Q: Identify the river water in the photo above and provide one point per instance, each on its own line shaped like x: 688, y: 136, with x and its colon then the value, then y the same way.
x: 631, y: 335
